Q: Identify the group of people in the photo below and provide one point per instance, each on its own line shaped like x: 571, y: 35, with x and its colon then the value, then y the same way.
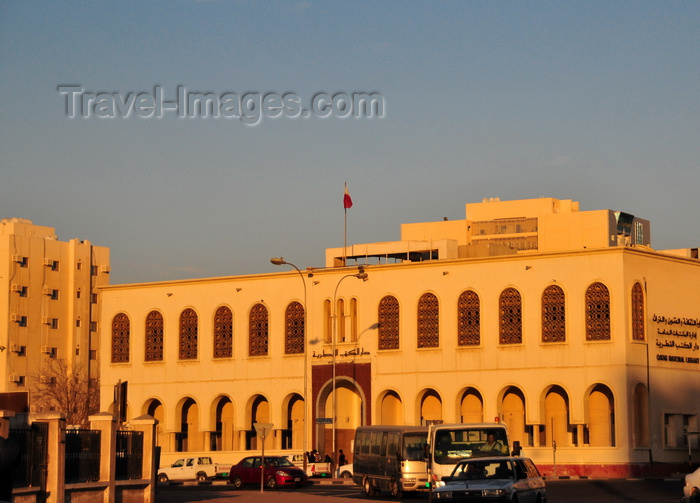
x: 314, y: 456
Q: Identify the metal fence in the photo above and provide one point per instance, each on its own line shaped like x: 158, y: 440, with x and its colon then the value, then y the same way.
x: 129, y: 463
x: 82, y: 456
x: 33, y: 463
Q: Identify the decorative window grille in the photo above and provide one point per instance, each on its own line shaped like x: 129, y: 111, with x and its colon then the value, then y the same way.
x: 428, y: 321
x: 188, y: 334
x: 553, y: 315
x: 294, y: 329
x: 258, y: 330
x: 154, y: 337
x: 388, y: 318
x: 510, y: 317
x: 223, y: 333
x: 597, y: 313
x: 638, y: 313
x: 468, y: 319
x: 121, y: 329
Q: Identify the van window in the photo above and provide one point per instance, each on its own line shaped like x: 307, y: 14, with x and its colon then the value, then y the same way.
x: 362, y: 443
x: 375, y: 442
x: 392, y: 444
x: 413, y: 447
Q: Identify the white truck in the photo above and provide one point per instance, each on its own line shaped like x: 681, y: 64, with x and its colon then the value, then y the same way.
x: 313, y: 468
x: 200, y: 469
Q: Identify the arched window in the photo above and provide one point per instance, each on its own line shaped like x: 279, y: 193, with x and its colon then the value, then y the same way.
x: 428, y: 321
x: 468, y: 319
x: 388, y: 318
x: 510, y: 317
x: 340, y: 320
x: 391, y: 409
x: 556, y: 415
x: 513, y: 415
x: 638, y: 313
x: 597, y: 312
x: 353, y: 319
x: 553, y: 315
x: 601, y: 417
x: 258, y: 326
x: 121, y: 329
x: 472, y: 407
x: 154, y: 337
x: 188, y: 334
x: 223, y: 333
x: 294, y: 329
x: 327, y: 321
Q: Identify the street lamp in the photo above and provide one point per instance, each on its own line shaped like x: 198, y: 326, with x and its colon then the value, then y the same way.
x: 281, y: 261
x: 363, y: 276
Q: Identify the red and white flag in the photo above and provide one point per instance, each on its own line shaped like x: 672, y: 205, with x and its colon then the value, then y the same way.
x: 347, y: 200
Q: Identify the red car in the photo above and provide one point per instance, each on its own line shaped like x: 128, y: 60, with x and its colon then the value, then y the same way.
x: 279, y: 472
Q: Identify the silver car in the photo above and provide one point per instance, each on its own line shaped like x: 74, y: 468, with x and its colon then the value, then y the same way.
x: 510, y: 479
x: 691, y: 489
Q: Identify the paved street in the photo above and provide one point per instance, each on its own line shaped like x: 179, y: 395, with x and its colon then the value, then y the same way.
x: 564, y: 491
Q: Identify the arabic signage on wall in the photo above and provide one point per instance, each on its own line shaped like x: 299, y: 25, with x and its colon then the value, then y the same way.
x: 678, y: 338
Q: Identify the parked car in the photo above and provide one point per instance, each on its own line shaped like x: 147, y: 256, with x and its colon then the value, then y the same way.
x: 493, y: 479
x: 691, y: 489
x: 345, y: 471
x: 278, y: 472
x: 199, y: 469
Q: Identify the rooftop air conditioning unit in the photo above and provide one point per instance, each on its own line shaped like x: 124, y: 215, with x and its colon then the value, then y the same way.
x: 48, y: 262
x: 48, y: 290
x: 16, y: 318
x: 16, y: 348
x: 14, y: 378
x: 46, y: 350
x: 17, y: 258
x: 104, y: 268
x: 46, y: 320
x: 16, y: 287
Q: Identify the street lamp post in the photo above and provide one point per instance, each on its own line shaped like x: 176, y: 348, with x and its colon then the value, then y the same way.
x: 281, y: 261
x: 363, y: 276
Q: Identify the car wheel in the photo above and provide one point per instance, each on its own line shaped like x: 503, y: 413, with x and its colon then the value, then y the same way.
x: 394, y: 489
x: 367, y: 487
x: 695, y: 497
x: 271, y: 482
x: 237, y: 482
x: 345, y: 475
x: 162, y: 477
x: 201, y: 477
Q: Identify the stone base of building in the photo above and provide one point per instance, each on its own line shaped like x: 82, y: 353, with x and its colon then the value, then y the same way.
x: 615, y: 471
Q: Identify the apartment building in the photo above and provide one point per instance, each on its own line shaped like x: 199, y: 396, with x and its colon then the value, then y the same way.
x: 50, y: 303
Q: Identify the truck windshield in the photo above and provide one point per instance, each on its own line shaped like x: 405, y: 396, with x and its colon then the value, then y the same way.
x: 454, y: 444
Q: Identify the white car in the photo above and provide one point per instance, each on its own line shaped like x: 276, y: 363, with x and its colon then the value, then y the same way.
x: 492, y: 479
x: 691, y: 489
x: 345, y: 471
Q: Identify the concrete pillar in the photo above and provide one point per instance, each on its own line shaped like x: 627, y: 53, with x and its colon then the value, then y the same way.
x: 147, y: 425
x: 106, y: 423
x: 56, y: 446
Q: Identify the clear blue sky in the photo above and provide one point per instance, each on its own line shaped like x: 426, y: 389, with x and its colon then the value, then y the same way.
x: 593, y: 101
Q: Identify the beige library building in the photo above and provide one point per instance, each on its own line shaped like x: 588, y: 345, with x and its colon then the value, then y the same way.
x: 566, y: 325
